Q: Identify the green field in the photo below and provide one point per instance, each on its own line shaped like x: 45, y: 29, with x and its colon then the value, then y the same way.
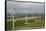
x: 35, y: 22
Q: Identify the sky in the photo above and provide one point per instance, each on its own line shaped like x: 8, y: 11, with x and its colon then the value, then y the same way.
x: 24, y: 7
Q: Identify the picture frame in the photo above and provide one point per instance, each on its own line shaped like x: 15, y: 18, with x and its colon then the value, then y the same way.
x: 24, y: 7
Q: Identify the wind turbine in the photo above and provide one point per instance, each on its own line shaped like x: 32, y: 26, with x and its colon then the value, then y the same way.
x: 26, y: 22
x: 13, y: 17
x: 13, y: 13
x: 25, y: 17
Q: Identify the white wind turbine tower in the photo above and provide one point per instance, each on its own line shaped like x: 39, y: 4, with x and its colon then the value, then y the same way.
x: 13, y: 17
x: 26, y: 22
x: 13, y: 13
x: 25, y: 17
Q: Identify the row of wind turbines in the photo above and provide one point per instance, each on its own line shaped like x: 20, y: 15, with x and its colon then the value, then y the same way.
x: 12, y: 11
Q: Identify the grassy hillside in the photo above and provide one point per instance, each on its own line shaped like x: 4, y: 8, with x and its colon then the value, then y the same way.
x: 34, y: 22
